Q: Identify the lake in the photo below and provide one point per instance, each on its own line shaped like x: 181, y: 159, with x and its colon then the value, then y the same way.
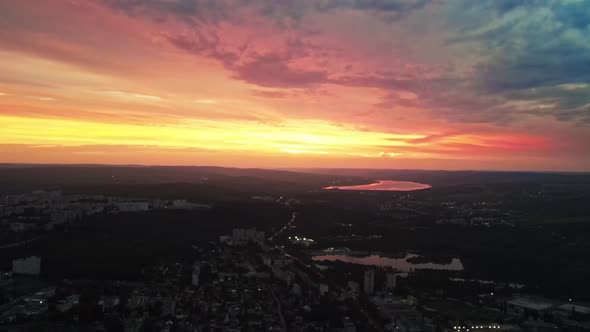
x: 400, y: 264
x: 385, y: 185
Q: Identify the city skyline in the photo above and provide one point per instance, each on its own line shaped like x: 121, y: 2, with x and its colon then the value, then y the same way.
x: 405, y: 84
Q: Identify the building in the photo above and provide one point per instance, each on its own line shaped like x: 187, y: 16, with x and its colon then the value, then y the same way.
x: 390, y: 281
x: 324, y: 289
x: 64, y: 216
x: 297, y: 290
x: 369, y: 282
x: 354, y: 287
x: 242, y: 236
x: 306, y: 242
x: 27, y: 266
x: 14, y: 199
x: 348, y: 325
x: 571, y: 308
x: 196, y: 274
x: 529, y: 304
x: 133, y: 206
x: 409, y: 321
x: 266, y: 260
x: 21, y: 227
x: 183, y: 204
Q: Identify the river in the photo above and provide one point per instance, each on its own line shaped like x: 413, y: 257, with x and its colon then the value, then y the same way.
x: 384, y: 185
x: 400, y: 264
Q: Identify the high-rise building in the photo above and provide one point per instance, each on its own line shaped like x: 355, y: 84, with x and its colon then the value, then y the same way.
x: 354, y: 286
x: 348, y: 325
x: 390, y: 280
x: 196, y: 274
x: 369, y: 282
x: 27, y: 266
x: 242, y: 236
x: 324, y: 289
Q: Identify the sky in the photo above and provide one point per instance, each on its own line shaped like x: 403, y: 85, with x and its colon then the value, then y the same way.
x: 418, y: 84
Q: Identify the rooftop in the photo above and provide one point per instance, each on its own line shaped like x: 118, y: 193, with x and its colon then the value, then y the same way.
x: 532, y: 303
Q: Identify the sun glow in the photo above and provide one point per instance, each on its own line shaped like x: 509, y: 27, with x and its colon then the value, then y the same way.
x: 292, y: 137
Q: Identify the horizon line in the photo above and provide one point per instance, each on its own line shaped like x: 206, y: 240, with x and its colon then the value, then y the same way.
x: 292, y: 169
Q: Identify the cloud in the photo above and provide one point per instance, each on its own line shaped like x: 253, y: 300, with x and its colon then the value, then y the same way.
x: 212, y: 11
x: 273, y: 71
x: 531, y: 50
x: 46, y: 98
x: 574, y: 86
x: 266, y: 70
x: 191, y: 11
x: 432, y: 138
x: 435, y: 68
x: 206, y: 101
x: 208, y: 45
x: 389, y: 154
x: 525, y: 45
x: 133, y: 96
x: 532, y: 43
x: 275, y: 94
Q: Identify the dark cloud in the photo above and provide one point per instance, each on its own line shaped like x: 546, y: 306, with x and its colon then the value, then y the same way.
x: 205, y: 11
x: 386, y: 6
x: 266, y: 70
x: 386, y: 82
x: 503, y: 6
x: 454, y: 98
x: 568, y: 102
x: 214, y: 10
x: 273, y: 71
x: 207, y: 45
x: 540, y: 45
x: 536, y: 70
x: 531, y: 48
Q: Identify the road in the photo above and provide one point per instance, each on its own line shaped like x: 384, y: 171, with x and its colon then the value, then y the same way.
x: 279, y: 309
x: 310, y: 270
x: 287, y: 226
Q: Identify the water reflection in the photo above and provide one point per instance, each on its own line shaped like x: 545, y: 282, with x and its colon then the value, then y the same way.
x: 385, y: 185
x: 400, y: 264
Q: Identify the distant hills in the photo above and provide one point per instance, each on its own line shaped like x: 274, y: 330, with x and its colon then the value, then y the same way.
x: 29, y: 177
x: 22, y: 177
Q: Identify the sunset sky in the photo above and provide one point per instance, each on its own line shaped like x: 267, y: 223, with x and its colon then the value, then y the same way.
x: 428, y: 84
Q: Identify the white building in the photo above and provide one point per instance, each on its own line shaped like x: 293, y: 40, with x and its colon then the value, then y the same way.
x: 14, y: 199
x: 324, y: 289
x: 132, y: 206
x: 223, y: 239
x: 354, y: 286
x: 196, y: 274
x: 348, y: 325
x: 369, y: 282
x: 241, y: 236
x: 306, y: 242
x: 523, y: 304
x: 28, y: 266
x: 390, y: 280
x: 186, y: 205
x: 297, y: 290
x: 64, y: 216
x: 286, y: 276
x: 21, y: 227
